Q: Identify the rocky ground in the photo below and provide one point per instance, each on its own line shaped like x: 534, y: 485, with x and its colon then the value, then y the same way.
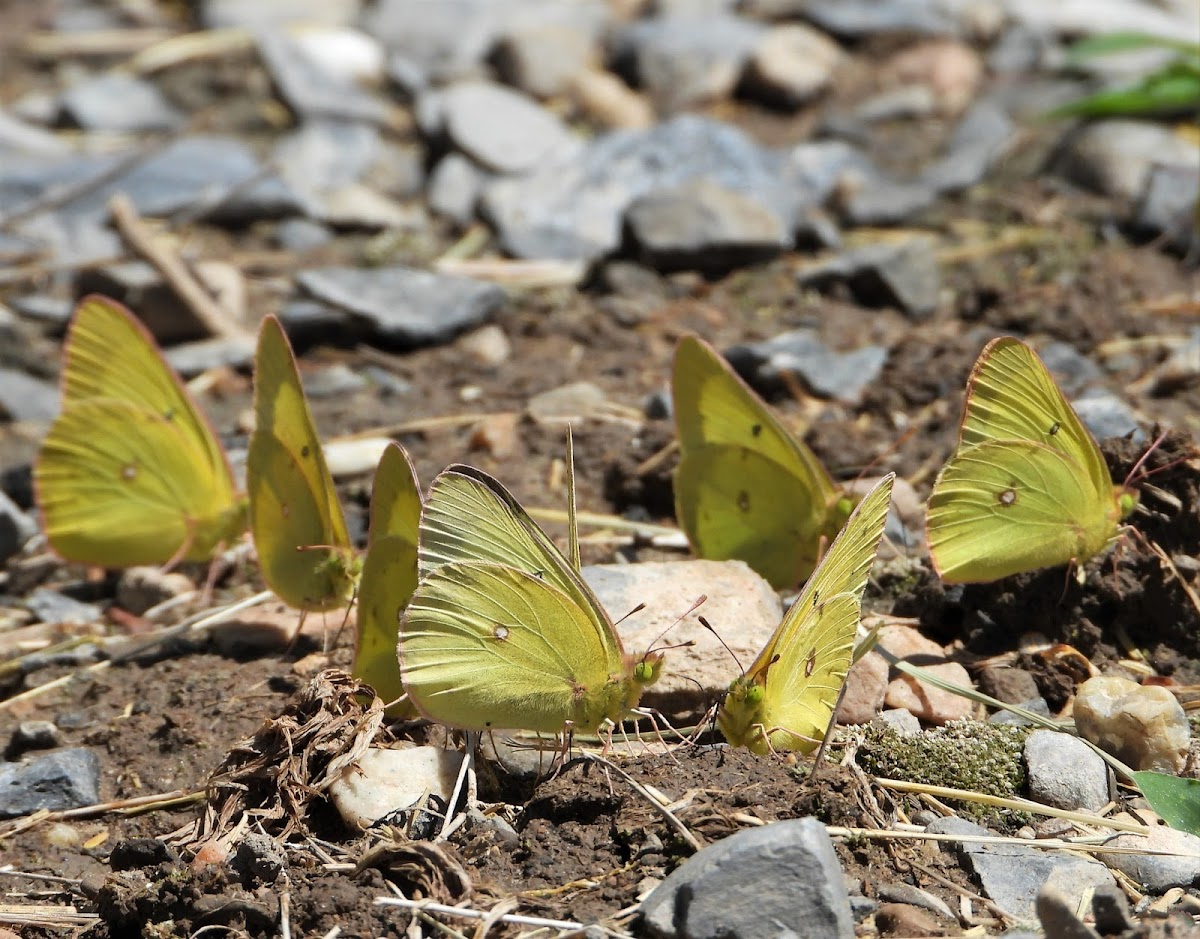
x: 481, y: 219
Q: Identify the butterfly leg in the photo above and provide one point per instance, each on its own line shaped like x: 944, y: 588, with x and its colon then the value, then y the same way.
x: 345, y: 619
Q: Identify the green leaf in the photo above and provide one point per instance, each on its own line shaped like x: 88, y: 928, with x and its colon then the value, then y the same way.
x: 1174, y: 798
x: 1167, y: 93
x: 1112, y: 43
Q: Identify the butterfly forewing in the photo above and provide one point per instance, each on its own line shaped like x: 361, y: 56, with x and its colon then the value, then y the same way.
x: 395, y: 497
x: 1012, y: 396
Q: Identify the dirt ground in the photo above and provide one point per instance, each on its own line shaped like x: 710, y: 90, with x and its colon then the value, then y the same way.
x: 586, y: 844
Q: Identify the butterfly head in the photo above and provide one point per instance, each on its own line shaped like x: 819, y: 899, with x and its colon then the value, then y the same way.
x: 1126, y: 499
x: 740, y: 716
x: 646, y: 668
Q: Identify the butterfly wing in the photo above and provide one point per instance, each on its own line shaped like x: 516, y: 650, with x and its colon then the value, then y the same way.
x: 118, y: 486
x: 1012, y: 396
x: 1004, y: 507
x: 293, y: 503
x: 389, y: 575
x: 485, y: 645
x: 785, y: 700
x: 110, y: 354
x: 725, y: 430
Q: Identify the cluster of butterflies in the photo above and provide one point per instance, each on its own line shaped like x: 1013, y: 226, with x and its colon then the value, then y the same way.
x: 468, y: 614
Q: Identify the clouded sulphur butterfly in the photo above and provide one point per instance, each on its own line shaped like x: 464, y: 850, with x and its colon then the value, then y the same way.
x: 785, y: 700
x: 304, y: 550
x: 131, y: 472
x: 1027, y: 487
x: 502, y: 631
x: 389, y: 575
x: 745, y: 487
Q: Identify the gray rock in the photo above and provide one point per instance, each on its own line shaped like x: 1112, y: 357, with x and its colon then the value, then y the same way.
x: 301, y: 235
x: 903, y: 274
x: 791, y: 64
x: 1056, y: 915
x: 1106, y: 415
x: 16, y: 527
x: 140, y: 287
x: 326, y: 152
x: 53, y: 312
x: 815, y: 170
x: 875, y: 198
x: 914, y: 896
x: 658, y: 405
x: 1115, y: 157
x: 118, y: 103
x: 192, y: 358
x: 333, y: 381
x: 52, y: 607
x: 1090, y: 17
x: 1064, y: 772
x: 454, y: 188
x: 18, y: 137
x: 855, y: 18
x: 906, y: 724
x: 34, y: 735
x: 403, y: 305
x: 14, y: 248
x: 1021, y: 50
x: 64, y: 779
x: 543, y: 60
x: 1071, y: 369
x: 259, y: 858
x: 830, y: 374
x: 502, y: 129
x: 982, y: 137
x: 1037, y: 705
x: 702, y: 226
x: 1172, y: 858
x: 311, y: 90
x: 573, y: 209
x: 782, y: 879
x: 310, y: 319
x: 26, y: 398
x: 219, y: 14
x: 1011, y: 874
x: 1167, y: 205
x: 70, y: 240
x: 684, y: 61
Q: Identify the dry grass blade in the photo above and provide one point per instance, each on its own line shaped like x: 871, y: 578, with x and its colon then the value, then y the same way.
x: 668, y: 816
x: 46, y: 916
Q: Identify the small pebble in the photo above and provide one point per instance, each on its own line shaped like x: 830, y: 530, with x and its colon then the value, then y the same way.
x: 791, y: 64
x: 141, y: 588
x: 259, y: 859
x: 1172, y: 858
x: 497, y: 435
x: 1064, y: 772
x: 383, y: 781
x: 33, y: 735
x: 488, y: 345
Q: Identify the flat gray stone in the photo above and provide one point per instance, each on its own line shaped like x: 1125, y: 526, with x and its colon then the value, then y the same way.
x: 543, y: 60
x: 1167, y: 203
x: 52, y: 607
x: 780, y: 880
x: 1011, y: 874
x: 192, y: 358
x: 855, y: 18
x: 1172, y: 858
x: 702, y: 226
x: 687, y: 60
x: 1106, y: 415
x: 403, y: 305
x: 16, y: 527
x: 326, y: 152
x: 118, y: 103
x: 24, y: 397
x: 1072, y: 370
x: 1115, y: 157
x: 63, y: 779
x: 455, y: 186
x: 983, y: 136
x: 219, y: 14
x: 1064, y: 772
x: 903, y: 274
x: 874, y: 198
x: 311, y: 90
x: 573, y: 209
x: 843, y: 376
x: 301, y: 234
x: 502, y: 129
x: 48, y: 311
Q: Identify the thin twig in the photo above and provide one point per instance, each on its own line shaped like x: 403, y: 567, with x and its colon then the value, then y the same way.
x: 668, y: 816
x: 515, y: 919
x: 139, y: 238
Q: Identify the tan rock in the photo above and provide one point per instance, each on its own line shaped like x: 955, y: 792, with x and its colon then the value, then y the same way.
x: 951, y: 70
x: 931, y: 705
x: 497, y: 434
x: 609, y: 101
x: 1142, y: 725
x: 866, y: 688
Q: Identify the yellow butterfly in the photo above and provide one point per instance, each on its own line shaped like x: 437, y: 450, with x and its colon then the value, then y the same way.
x: 299, y: 531
x: 745, y: 488
x: 1027, y: 487
x: 502, y: 631
x: 786, y: 699
x: 389, y: 576
x: 131, y: 472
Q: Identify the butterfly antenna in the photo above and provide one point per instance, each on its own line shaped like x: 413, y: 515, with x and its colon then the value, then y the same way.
x: 733, y: 655
x: 700, y: 601
x: 572, y: 525
x: 887, y: 451
x: 636, y: 609
x: 1145, y: 456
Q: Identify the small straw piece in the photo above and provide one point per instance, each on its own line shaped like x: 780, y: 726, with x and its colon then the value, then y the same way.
x: 515, y: 919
